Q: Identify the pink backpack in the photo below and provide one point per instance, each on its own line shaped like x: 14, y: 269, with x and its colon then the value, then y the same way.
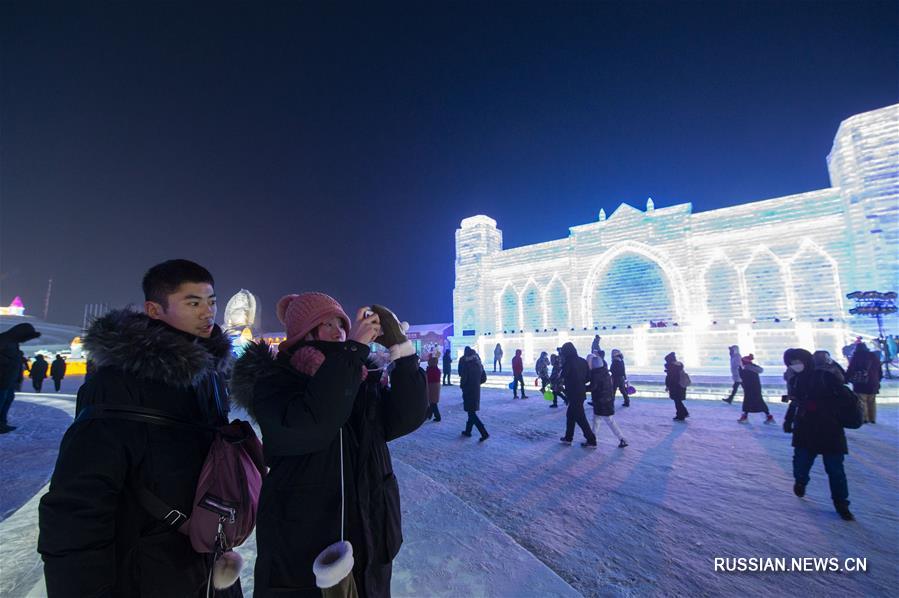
x: 227, y: 495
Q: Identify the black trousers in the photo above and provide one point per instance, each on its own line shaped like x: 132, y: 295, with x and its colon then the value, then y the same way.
x: 681, y: 411
x: 37, y: 383
x: 57, y: 383
x: 620, y: 384
x: 475, y: 421
x: 516, y: 380
x: 576, y: 415
x: 434, y: 411
x: 544, y: 380
x: 497, y: 362
x: 733, y: 391
x: 446, y: 377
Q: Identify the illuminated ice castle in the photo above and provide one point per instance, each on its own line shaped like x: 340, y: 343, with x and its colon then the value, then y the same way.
x: 766, y: 275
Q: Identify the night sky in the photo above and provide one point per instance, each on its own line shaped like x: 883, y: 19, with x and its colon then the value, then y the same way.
x: 321, y: 146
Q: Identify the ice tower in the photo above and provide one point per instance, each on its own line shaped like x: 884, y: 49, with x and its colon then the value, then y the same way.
x: 765, y: 275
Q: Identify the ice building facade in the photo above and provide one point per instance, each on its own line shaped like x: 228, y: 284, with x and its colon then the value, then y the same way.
x: 765, y: 275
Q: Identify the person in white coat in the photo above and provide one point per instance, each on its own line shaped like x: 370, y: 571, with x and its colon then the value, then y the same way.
x: 735, y: 363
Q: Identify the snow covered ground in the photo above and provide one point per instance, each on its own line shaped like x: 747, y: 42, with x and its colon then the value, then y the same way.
x: 524, y: 515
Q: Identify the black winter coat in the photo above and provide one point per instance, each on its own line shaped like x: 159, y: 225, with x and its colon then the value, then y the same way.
x: 575, y: 377
x: 95, y: 538
x: 301, y: 419
x: 813, y: 413
x: 865, y: 372
x: 58, y: 369
x: 617, y: 370
x: 471, y: 376
x: 673, y: 371
x: 752, y: 389
x: 39, y: 369
x: 11, y: 357
x: 601, y: 391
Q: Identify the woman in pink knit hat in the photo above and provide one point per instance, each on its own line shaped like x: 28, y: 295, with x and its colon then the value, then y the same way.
x: 326, y: 420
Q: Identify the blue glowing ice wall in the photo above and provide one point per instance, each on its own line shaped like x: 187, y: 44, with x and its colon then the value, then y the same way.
x: 765, y: 275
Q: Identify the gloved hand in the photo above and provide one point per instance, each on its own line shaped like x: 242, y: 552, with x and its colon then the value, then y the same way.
x: 393, y: 332
x: 788, y: 427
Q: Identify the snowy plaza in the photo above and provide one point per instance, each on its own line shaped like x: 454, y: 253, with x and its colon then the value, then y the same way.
x: 524, y: 515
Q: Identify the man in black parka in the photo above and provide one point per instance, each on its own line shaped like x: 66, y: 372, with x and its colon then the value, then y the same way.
x: 95, y: 537
x: 576, y: 377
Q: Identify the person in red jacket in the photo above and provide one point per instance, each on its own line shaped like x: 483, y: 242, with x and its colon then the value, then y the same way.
x: 432, y: 374
x: 518, y: 375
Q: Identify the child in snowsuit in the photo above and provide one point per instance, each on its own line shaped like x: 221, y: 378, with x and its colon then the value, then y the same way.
x: 601, y: 391
x: 753, y: 402
x: 433, y: 376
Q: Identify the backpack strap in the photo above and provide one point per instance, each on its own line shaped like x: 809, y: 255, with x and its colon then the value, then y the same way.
x: 149, y: 501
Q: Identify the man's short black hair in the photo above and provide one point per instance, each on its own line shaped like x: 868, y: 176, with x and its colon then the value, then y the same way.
x: 163, y: 279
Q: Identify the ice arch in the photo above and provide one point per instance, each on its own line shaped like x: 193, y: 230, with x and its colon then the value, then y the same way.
x: 557, y: 305
x: 507, y: 309
x: 531, y: 308
x: 722, y: 289
x: 631, y: 284
x: 766, y: 286
x: 816, y: 283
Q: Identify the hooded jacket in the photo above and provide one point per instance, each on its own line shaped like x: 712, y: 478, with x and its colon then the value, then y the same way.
x: 753, y: 401
x: 617, y: 369
x: 301, y: 417
x: 864, y: 371
x: 575, y: 374
x: 11, y: 356
x: 735, y: 362
x: 601, y: 389
x: 542, y: 366
x: 95, y: 538
x: 517, y: 363
x: 471, y: 376
x: 813, y: 412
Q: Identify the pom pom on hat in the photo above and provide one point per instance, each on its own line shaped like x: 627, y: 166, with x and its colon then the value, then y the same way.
x: 748, y: 358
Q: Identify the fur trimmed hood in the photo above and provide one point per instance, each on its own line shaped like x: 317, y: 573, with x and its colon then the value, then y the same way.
x: 151, y: 350
x: 257, y: 359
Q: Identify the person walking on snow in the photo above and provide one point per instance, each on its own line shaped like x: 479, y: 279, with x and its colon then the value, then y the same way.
x: 753, y: 402
x: 38, y: 372
x: 58, y: 371
x: 619, y: 377
x: 471, y: 376
x: 674, y: 384
x: 865, y: 374
x: 575, y: 378
x: 518, y: 375
x: 736, y: 362
x: 497, y: 357
x: 433, y: 377
x: 326, y: 420
x: 555, y: 380
x: 11, y: 360
x: 447, y: 367
x: 601, y: 390
x: 812, y: 418
x: 542, y: 369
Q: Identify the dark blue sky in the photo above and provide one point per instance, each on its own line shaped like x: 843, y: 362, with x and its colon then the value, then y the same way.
x: 294, y: 147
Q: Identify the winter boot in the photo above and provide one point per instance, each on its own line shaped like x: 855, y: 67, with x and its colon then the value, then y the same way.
x: 728, y: 400
x: 622, y: 443
x: 627, y: 403
x: 770, y: 419
x: 843, y: 509
x: 799, y: 489
x: 484, y: 437
x: 589, y: 444
x: 743, y: 419
x: 553, y: 406
x: 466, y: 434
x: 565, y: 440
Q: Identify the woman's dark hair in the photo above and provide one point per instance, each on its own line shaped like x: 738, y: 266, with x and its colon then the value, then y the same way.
x: 163, y: 279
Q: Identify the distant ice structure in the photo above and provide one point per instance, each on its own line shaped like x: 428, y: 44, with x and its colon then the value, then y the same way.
x: 765, y: 275
x: 240, y: 312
